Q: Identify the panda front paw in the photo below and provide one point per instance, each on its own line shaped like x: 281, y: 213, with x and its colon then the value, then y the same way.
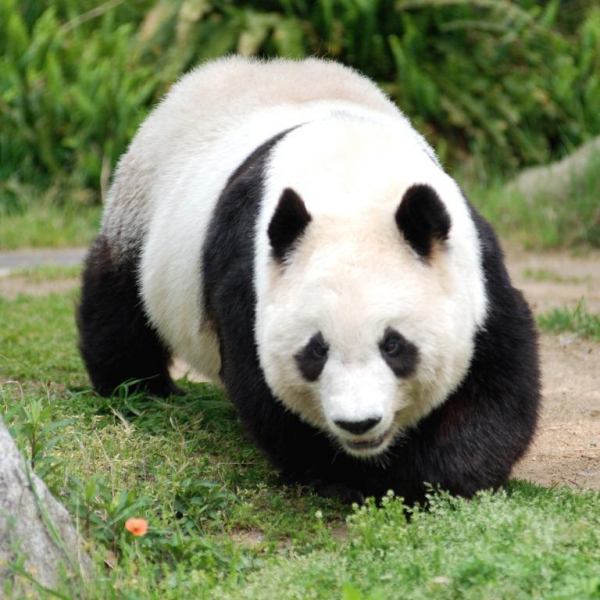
x: 342, y: 492
x: 161, y: 388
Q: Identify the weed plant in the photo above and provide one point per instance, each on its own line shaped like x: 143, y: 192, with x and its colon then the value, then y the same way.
x: 577, y: 320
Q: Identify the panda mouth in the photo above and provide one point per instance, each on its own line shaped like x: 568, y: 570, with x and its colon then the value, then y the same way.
x: 373, y: 444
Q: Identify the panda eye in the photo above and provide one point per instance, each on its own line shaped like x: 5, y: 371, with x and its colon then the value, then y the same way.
x: 401, y: 355
x: 391, y: 345
x: 312, y: 358
x: 318, y: 351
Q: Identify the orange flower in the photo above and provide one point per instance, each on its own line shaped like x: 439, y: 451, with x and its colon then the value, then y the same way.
x: 137, y: 526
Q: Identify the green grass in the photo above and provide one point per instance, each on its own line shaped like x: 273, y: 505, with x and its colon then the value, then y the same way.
x: 184, y: 465
x: 41, y: 273
x: 48, y: 226
x: 523, y: 543
x: 577, y: 320
x: 37, y: 340
x: 546, y: 275
x: 221, y: 523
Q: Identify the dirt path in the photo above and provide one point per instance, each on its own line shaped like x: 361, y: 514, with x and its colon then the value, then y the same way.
x: 567, y: 446
x: 31, y: 258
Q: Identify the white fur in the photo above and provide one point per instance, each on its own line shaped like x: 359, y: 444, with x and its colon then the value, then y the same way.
x: 352, y: 276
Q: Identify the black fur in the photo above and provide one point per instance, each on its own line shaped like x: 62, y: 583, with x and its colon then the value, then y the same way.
x: 312, y: 358
x: 288, y: 223
x: 228, y: 249
x: 469, y: 443
x: 115, y: 339
x: 423, y: 219
x: 401, y: 355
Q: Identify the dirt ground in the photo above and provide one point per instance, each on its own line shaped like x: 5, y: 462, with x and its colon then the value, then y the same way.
x: 567, y: 446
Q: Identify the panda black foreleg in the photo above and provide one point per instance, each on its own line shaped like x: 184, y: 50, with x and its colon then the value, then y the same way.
x: 116, y: 341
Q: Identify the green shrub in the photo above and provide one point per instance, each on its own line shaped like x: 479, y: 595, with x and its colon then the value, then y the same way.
x: 509, y: 82
x: 70, y: 98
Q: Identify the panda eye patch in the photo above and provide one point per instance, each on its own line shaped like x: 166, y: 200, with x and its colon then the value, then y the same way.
x: 401, y: 355
x: 312, y: 358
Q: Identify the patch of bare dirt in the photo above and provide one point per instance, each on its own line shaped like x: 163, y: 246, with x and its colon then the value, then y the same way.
x: 555, y: 279
x: 566, y: 449
x: 13, y: 286
x: 567, y: 446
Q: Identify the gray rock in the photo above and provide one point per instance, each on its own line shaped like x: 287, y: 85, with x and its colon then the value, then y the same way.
x: 36, y: 533
x: 557, y: 178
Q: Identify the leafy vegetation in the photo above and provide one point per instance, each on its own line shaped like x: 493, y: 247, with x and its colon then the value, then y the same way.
x: 497, y: 83
x: 220, y: 523
x: 577, y: 320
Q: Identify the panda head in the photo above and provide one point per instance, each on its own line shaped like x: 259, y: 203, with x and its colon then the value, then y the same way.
x: 369, y: 288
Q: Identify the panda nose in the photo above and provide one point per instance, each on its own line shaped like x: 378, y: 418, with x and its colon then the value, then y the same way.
x: 358, y: 427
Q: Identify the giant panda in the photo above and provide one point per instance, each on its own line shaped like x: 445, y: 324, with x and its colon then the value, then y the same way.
x: 282, y: 227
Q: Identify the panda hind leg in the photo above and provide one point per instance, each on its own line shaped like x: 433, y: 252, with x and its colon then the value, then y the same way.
x: 117, y: 343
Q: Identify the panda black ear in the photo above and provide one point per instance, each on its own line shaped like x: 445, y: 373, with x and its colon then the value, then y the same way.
x: 288, y: 223
x: 423, y: 219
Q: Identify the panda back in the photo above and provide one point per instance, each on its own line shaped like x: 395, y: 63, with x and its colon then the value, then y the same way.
x: 167, y: 185
x: 213, y: 118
